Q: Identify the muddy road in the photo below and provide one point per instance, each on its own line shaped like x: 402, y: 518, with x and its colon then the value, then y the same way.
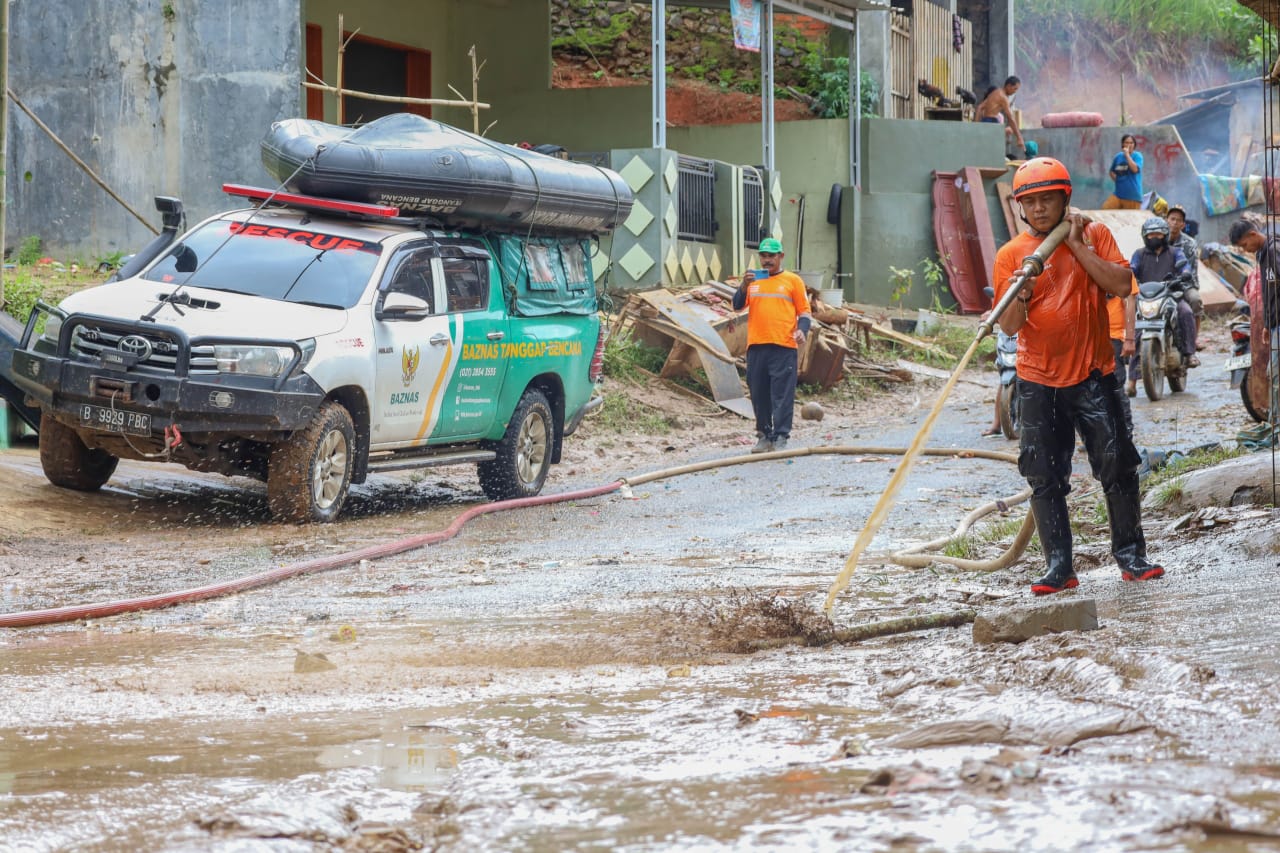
x: 571, y: 676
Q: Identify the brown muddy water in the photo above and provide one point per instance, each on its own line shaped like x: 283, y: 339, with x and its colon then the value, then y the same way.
x: 562, y: 678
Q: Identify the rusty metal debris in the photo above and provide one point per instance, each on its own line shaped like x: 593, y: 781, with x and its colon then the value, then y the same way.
x: 700, y: 331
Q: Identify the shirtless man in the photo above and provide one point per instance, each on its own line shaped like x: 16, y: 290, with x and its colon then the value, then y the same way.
x: 996, y: 103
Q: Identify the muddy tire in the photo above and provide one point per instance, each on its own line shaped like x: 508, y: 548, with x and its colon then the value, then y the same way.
x: 309, y: 475
x: 1258, y: 412
x: 524, y: 454
x: 1178, y: 381
x: 1153, y: 368
x: 1007, y: 405
x: 68, y: 463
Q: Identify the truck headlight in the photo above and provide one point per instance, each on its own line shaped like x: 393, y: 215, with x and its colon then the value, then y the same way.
x: 1149, y: 308
x: 252, y: 360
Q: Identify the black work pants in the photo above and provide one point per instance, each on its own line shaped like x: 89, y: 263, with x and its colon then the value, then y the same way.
x: 771, y: 379
x: 1051, y: 419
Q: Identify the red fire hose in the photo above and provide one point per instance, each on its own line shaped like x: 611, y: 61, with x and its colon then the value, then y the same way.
x: 155, y: 602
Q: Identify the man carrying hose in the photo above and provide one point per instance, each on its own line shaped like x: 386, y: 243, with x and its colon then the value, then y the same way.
x: 1066, y: 373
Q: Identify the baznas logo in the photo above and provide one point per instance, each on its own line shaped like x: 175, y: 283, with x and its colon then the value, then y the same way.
x: 409, y: 364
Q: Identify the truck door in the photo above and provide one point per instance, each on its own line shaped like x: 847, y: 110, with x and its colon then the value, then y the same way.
x: 478, y: 319
x: 416, y: 354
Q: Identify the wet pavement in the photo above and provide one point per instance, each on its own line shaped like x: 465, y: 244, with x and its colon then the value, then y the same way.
x: 560, y: 677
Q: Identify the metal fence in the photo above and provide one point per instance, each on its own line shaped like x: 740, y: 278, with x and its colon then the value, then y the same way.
x: 697, y: 195
x: 753, y: 230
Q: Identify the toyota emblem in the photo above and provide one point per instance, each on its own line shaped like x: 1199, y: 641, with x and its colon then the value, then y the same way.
x: 135, y: 345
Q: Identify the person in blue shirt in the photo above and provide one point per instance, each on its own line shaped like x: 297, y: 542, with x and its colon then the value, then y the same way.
x: 1126, y: 171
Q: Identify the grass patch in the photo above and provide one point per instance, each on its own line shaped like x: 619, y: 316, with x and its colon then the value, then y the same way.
x: 962, y: 547
x: 1165, y: 483
x: 955, y: 339
x: 998, y: 531
x: 27, y: 283
x: 625, y: 357
x: 619, y: 413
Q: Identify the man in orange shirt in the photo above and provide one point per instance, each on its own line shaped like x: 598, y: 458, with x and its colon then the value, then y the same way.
x: 1067, y: 374
x: 778, y: 320
x: 1121, y: 321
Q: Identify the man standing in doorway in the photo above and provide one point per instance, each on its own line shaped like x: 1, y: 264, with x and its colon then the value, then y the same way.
x: 996, y: 104
x: 778, y: 320
x: 1066, y: 374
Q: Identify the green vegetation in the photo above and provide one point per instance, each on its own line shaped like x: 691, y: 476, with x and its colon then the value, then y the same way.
x: 619, y: 413
x: 1150, y: 34
x: 28, y: 251
x: 28, y: 282
x: 625, y: 357
x: 1165, y: 483
x: 827, y: 82
x: 954, y: 340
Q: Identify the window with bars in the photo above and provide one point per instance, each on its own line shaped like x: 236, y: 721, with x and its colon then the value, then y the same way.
x: 697, y: 188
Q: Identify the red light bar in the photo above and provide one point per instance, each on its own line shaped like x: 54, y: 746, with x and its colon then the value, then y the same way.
x: 310, y: 201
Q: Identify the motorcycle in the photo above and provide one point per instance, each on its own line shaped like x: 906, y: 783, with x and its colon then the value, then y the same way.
x: 1007, y: 366
x: 1241, y: 357
x: 1007, y: 397
x: 1158, y: 334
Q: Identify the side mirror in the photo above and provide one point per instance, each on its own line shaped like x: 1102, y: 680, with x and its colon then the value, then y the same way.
x: 402, y: 306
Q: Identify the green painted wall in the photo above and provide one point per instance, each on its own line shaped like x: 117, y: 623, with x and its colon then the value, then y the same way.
x: 890, y: 223
x: 810, y: 156
x: 887, y: 223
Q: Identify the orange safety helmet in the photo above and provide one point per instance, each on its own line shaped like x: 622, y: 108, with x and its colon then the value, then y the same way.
x: 1041, y: 174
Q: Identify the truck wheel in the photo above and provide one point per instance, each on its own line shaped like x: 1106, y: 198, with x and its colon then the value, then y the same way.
x: 1258, y: 413
x: 1007, y: 401
x: 308, y: 476
x: 1153, y: 369
x: 524, y: 454
x: 68, y: 463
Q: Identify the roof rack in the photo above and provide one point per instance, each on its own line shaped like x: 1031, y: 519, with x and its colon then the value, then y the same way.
x: 310, y: 202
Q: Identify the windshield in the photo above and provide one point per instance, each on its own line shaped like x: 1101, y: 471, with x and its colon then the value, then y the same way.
x: 286, y: 263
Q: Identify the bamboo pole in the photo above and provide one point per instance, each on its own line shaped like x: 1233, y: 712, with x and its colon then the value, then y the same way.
x: 342, y: 49
x: 869, y: 631
x: 82, y: 164
x: 397, y: 99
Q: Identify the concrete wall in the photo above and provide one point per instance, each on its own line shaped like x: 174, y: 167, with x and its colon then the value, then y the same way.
x: 810, y: 156
x: 1167, y: 168
x: 156, y: 102
x: 890, y: 222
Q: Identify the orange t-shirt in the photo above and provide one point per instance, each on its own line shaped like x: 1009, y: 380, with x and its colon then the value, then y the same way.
x: 773, y: 304
x: 1067, y: 334
x: 1115, y: 312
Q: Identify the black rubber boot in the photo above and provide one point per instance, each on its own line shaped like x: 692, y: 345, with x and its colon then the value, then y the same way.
x: 1128, y: 545
x: 1054, y: 526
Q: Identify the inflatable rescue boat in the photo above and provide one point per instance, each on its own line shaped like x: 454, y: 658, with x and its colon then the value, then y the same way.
x: 427, y: 168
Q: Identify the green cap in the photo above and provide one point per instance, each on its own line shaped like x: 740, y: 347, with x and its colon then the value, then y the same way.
x: 770, y: 244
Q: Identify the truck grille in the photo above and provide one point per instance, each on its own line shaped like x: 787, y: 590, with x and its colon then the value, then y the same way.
x: 89, y: 341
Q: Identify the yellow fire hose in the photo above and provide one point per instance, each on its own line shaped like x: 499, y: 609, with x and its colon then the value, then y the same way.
x: 1031, y: 266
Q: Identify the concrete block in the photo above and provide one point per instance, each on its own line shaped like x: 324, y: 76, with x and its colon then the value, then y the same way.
x: 1022, y: 622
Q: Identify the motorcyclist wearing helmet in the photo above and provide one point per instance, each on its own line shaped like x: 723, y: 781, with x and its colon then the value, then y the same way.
x: 1066, y: 373
x: 1158, y: 261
